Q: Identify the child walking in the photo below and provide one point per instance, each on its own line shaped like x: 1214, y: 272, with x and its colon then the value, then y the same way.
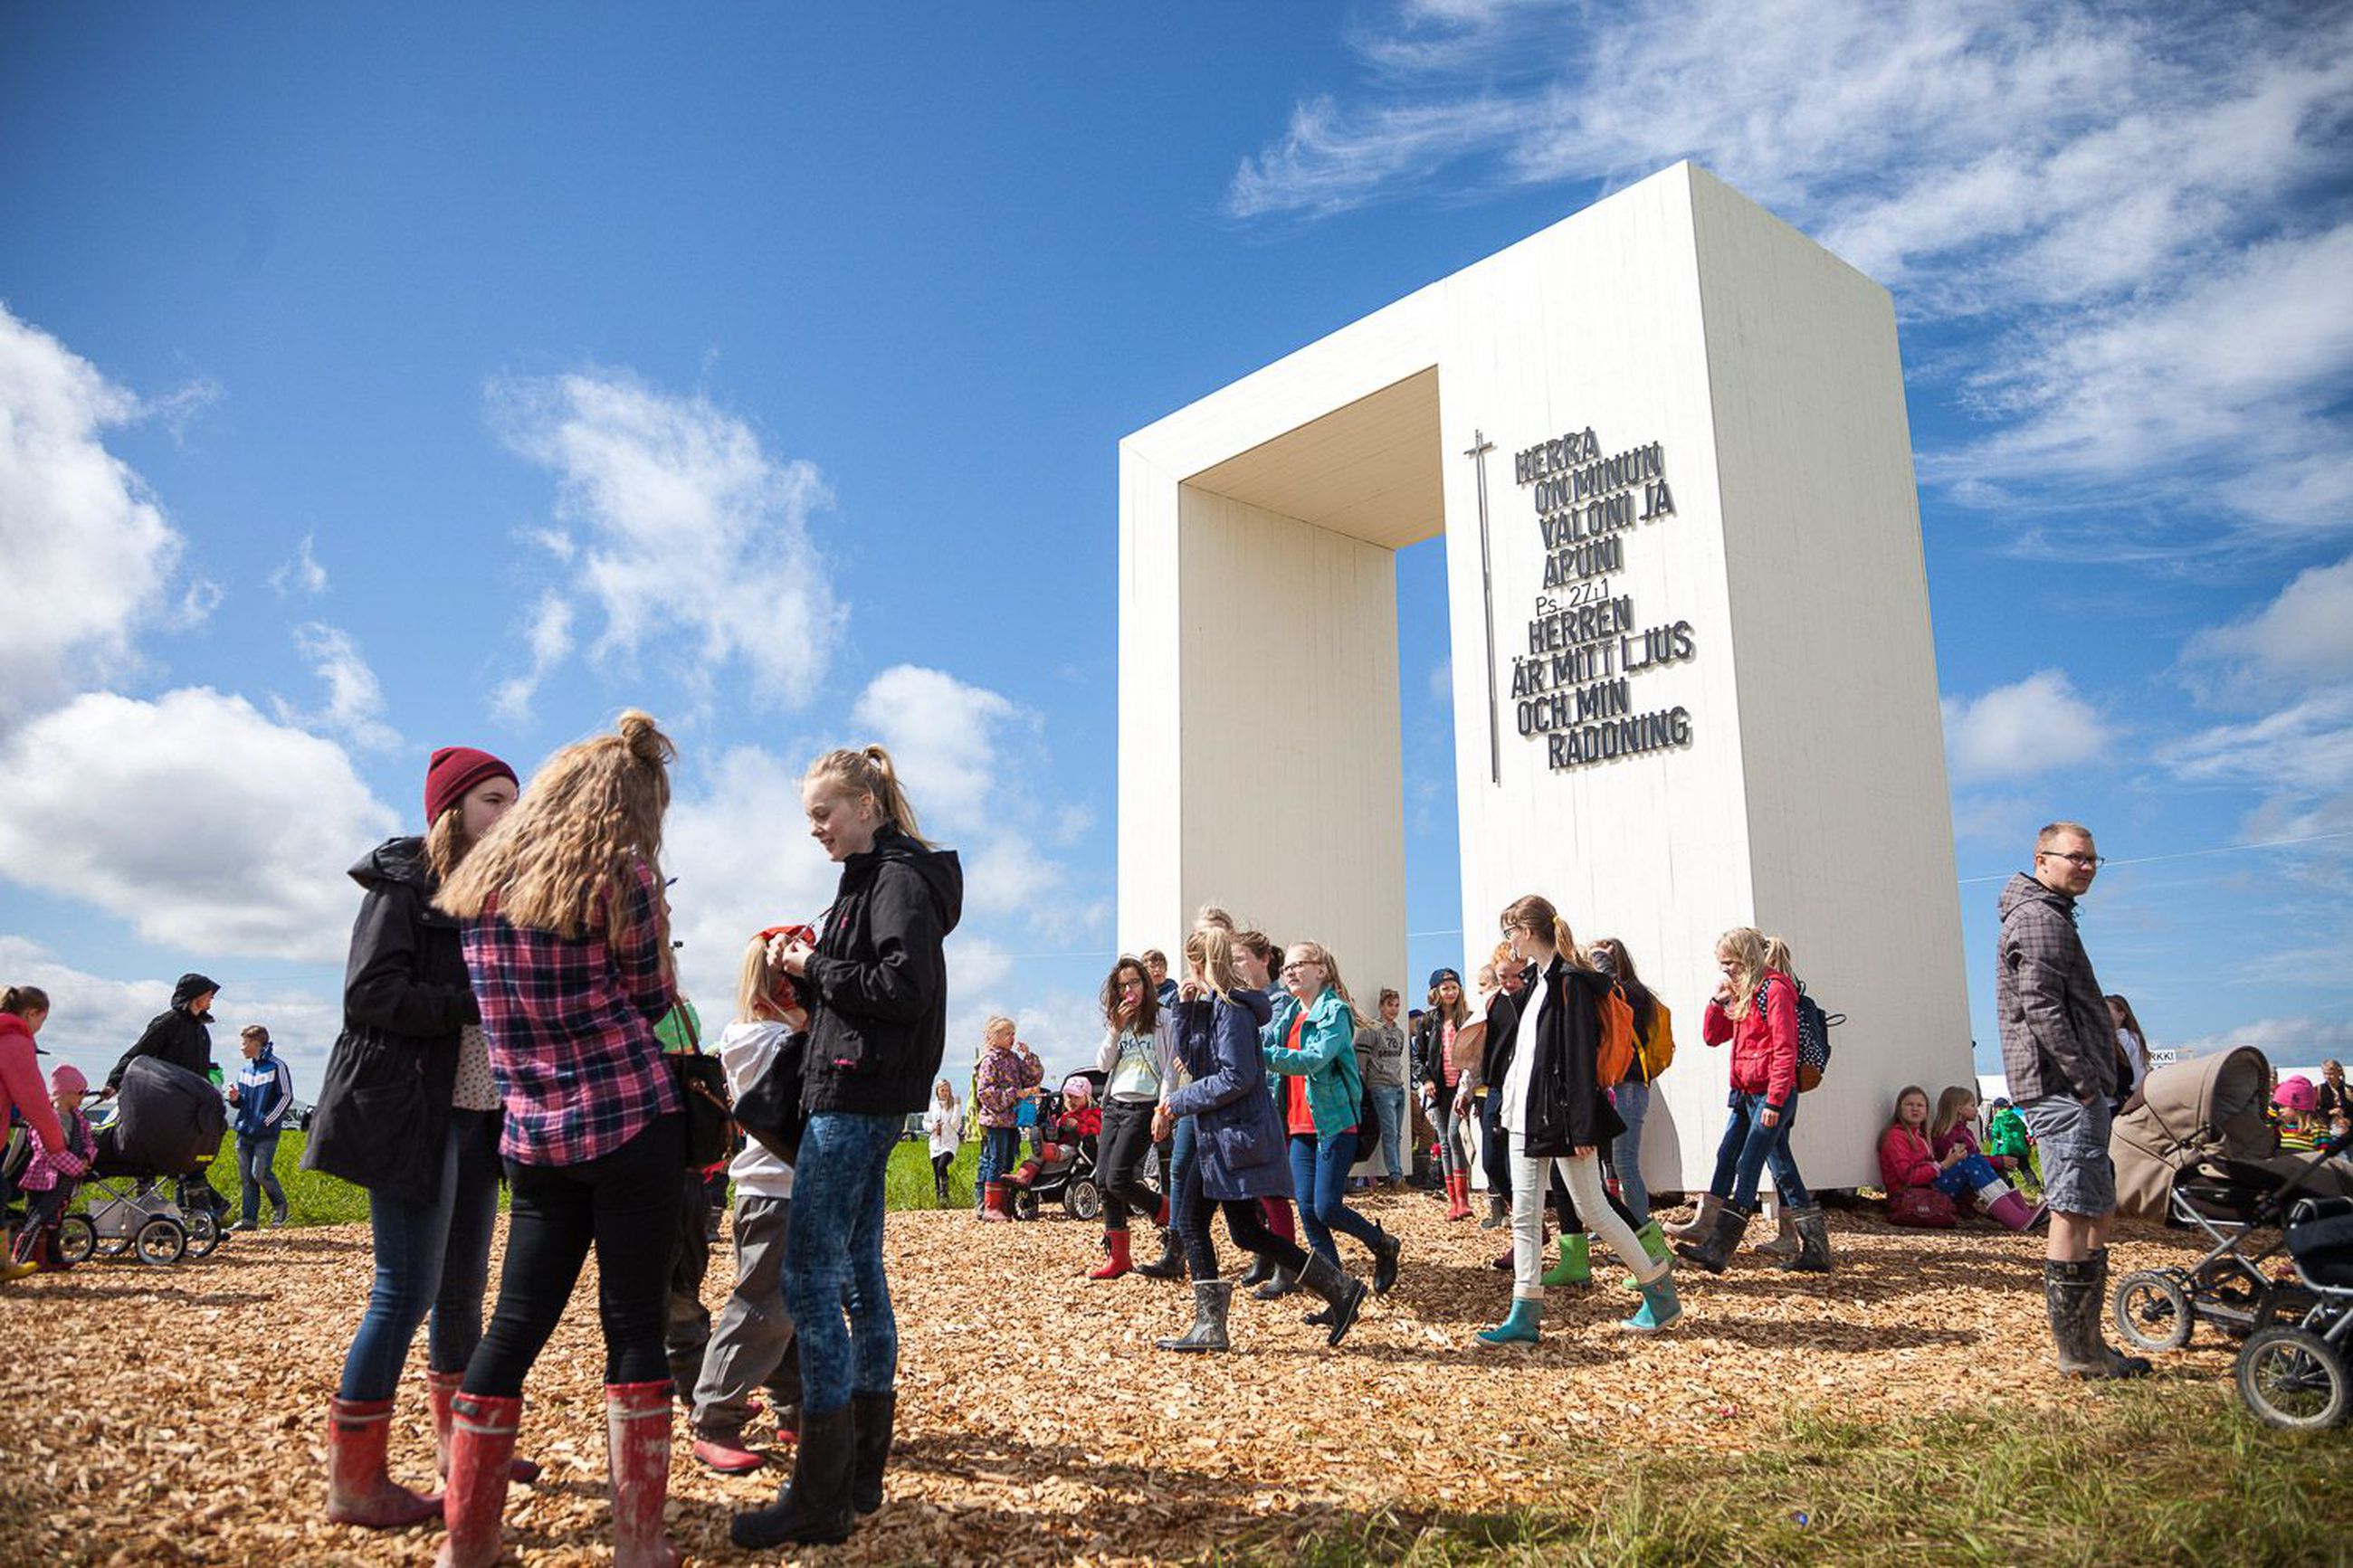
x: 51, y: 1176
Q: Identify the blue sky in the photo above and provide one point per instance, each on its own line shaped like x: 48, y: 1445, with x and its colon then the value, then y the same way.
x: 372, y: 383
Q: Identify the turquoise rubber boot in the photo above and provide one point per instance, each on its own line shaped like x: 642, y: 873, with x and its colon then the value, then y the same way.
x: 1658, y: 1306
x: 1522, y: 1327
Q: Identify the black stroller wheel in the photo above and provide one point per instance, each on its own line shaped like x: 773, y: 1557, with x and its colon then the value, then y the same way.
x: 204, y: 1233
x: 75, y: 1238
x: 2152, y: 1311
x: 1084, y: 1199
x: 1025, y: 1204
x: 2293, y: 1378
x: 161, y: 1240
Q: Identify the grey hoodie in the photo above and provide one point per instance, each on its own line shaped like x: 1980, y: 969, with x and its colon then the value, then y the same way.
x: 2056, y: 1037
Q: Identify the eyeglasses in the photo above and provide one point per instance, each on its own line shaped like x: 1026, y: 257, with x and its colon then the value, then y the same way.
x: 2080, y: 862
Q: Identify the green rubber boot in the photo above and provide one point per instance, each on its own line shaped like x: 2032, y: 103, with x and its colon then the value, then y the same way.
x: 1655, y: 1246
x: 1575, y: 1267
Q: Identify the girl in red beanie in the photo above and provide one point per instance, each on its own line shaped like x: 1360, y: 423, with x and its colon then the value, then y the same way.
x: 409, y: 1110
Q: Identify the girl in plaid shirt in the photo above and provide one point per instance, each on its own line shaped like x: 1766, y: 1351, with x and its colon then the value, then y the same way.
x: 567, y: 943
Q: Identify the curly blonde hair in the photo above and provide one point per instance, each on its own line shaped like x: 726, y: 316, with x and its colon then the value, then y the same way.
x: 560, y: 859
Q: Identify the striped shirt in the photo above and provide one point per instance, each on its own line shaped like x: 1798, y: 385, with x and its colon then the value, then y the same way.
x: 570, y: 1022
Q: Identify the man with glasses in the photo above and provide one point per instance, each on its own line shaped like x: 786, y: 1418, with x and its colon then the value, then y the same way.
x: 2058, y: 1051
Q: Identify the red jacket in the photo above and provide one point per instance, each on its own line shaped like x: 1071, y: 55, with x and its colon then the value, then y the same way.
x: 1765, y: 1043
x: 1904, y: 1161
x: 21, y: 1086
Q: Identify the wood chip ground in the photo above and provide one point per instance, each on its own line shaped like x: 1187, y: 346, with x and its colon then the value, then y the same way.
x: 167, y: 1416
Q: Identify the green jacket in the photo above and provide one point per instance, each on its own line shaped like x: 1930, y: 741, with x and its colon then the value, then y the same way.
x: 1327, y: 1057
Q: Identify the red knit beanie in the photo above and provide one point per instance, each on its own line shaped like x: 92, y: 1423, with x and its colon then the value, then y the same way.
x: 456, y: 770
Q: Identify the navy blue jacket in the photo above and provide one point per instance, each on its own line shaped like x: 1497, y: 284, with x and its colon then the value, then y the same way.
x: 1238, y: 1131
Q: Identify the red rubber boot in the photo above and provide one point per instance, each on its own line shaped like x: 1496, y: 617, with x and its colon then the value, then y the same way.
x: 1118, y: 1264
x: 1458, y: 1195
x: 481, y: 1447
x: 637, y: 1444
x: 358, y: 1490
x: 441, y: 1388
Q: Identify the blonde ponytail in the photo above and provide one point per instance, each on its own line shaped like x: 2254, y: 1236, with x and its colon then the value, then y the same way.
x: 870, y: 772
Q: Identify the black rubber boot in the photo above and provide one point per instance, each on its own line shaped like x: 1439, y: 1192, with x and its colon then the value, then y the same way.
x: 1280, y: 1282
x: 1713, y: 1250
x: 1386, y: 1252
x: 2119, y: 1364
x: 1170, y: 1264
x: 1210, y: 1300
x: 1259, y: 1272
x: 870, y: 1420
x: 1344, y: 1295
x: 813, y: 1508
x: 1813, y: 1255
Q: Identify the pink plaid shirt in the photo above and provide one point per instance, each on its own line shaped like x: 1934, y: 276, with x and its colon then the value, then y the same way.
x: 570, y: 1022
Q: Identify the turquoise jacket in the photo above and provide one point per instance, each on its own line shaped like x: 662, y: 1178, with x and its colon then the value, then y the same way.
x: 1327, y: 1057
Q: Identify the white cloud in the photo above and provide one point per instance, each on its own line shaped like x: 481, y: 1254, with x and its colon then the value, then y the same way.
x: 2304, y: 633
x: 94, y: 1019
x: 2302, y: 1041
x: 209, y: 827
x: 2137, y: 204
x: 90, y: 555
x: 302, y: 574
x: 688, y: 539
x: 2034, y: 726
x: 551, y: 645
x: 945, y: 739
x: 2305, y: 747
x: 354, y: 707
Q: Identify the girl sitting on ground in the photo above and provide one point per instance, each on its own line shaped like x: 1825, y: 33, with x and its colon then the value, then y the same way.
x: 1909, y: 1161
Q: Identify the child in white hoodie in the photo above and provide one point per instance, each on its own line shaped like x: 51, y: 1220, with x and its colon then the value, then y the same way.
x: 753, y: 1339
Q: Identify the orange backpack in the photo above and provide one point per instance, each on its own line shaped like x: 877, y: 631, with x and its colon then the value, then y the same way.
x: 1615, y: 1058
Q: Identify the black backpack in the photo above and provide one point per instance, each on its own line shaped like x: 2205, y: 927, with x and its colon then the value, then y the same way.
x: 1814, y: 1028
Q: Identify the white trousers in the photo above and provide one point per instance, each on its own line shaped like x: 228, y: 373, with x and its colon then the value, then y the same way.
x: 1582, y: 1174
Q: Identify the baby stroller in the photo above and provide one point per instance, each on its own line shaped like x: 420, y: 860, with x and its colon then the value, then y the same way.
x: 1065, y: 1165
x: 2194, y: 1148
x: 164, y: 1122
x: 2295, y: 1375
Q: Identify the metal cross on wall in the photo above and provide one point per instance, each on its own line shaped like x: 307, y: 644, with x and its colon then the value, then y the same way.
x: 1478, y: 455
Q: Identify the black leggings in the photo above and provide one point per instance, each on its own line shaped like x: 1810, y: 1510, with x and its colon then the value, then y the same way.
x: 940, y: 1164
x: 1245, y: 1222
x: 1563, y: 1207
x: 627, y: 1204
x: 1126, y: 1134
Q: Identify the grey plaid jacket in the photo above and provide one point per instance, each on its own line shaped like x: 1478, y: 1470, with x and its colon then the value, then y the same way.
x: 2056, y: 1037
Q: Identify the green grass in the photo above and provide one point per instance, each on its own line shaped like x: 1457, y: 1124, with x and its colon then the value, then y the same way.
x: 312, y: 1198
x: 2161, y: 1472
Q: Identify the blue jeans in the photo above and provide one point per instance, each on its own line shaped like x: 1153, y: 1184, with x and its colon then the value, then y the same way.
x: 1747, y: 1145
x: 1390, y: 1103
x: 833, y: 1259
x: 1000, y: 1154
x: 430, y: 1258
x: 1634, y: 1103
x: 256, y: 1157
x: 1319, y: 1175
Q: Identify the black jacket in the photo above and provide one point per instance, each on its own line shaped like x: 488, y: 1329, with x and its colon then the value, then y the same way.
x: 1502, y: 1039
x: 877, y: 988
x: 383, y: 1111
x: 1429, y: 1051
x: 174, y: 1034
x: 1566, y: 1110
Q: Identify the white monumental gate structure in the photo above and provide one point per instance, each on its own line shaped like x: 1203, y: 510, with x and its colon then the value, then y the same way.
x: 1694, y: 685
